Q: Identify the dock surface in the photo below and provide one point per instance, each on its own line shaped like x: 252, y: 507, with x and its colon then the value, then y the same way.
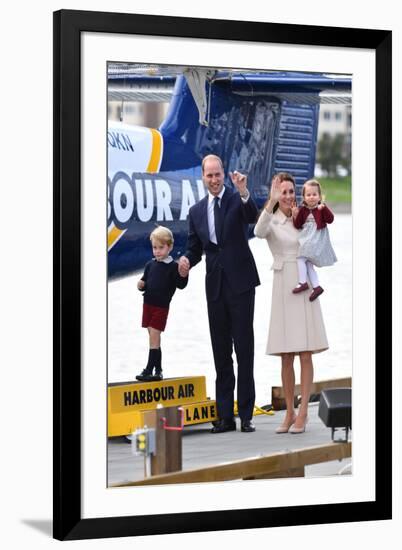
x: 201, y: 448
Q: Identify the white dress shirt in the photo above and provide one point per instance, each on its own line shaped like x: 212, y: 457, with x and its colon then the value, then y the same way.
x: 211, y: 217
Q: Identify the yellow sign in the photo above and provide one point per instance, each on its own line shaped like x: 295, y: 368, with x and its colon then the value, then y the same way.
x: 147, y: 395
x: 127, y: 400
x: 124, y: 423
x: 200, y: 412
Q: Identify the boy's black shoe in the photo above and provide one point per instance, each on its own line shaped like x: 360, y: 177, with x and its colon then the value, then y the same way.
x: 154, y: 360
x: 146, y: 374
x: 158, y: 374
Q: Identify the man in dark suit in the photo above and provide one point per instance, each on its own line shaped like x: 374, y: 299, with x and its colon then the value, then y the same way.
x: 218, y: 226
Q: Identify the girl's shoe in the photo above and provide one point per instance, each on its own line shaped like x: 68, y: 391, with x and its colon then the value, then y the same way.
x: 293, y: 430
x: 301, y: 287
x: 316, y: 292
x: 284, y: 428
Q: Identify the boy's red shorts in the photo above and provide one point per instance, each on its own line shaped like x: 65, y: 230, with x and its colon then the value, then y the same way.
x: 154, y: 317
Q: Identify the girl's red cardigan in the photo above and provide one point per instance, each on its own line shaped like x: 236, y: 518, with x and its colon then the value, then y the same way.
x: 322, y: 217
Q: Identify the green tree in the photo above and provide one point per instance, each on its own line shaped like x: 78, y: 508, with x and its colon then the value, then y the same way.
x: 332, y: 153
x: 346, y: 161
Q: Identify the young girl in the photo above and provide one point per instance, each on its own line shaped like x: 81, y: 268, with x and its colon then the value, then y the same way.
x: 159, y: 283
x: 315, y: 246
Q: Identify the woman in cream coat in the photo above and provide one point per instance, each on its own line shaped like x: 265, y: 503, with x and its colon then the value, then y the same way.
x: 296, y: 325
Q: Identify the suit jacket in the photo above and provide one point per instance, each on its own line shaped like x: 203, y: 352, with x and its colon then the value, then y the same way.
x: 233, y: 256
x: 322, y: 217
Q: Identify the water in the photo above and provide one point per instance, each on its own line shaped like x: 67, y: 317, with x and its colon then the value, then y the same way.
x: 186, y: 346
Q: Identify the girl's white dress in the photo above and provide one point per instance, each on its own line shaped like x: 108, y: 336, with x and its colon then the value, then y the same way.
x: 315, y: 244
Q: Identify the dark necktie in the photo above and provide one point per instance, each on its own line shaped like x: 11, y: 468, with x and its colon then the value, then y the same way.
x: 218, y: 220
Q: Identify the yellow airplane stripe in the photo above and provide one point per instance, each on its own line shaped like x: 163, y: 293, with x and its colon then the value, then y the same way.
x: 154, y: 161
x: 113, y: 236
x: 115, y: 233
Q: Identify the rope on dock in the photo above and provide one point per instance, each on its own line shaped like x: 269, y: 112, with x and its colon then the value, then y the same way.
x: 266, y: 409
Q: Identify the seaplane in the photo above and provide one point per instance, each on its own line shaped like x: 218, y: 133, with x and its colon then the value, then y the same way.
x: 258, y: 122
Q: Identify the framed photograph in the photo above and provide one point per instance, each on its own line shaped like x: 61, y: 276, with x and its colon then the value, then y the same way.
x: 97, y: 57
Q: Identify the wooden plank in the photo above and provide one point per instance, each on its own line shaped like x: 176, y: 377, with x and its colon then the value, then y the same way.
x: 292, y: 472
x: 278, y: 396
x: 267, y: 466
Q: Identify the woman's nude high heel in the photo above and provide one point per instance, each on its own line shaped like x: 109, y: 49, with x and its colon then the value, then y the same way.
x: 293, y: 430
x: 284, y: 428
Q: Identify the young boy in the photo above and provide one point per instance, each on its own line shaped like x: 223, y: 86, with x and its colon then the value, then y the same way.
x: 159, y: 283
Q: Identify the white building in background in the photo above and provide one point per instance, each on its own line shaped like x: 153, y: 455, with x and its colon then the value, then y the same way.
x: 335, y: 119
x: 138, y: 113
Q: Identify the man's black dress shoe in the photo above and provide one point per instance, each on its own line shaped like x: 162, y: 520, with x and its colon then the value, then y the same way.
x: 223, y: 426
x: 247, y: 426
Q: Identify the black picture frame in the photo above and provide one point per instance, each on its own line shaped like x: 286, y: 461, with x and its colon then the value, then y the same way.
x: 68, y: 27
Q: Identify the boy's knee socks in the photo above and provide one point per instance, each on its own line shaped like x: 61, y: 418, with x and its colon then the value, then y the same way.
x: 154, y: 357
x: 158, y: 360
x: 158, y: 357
